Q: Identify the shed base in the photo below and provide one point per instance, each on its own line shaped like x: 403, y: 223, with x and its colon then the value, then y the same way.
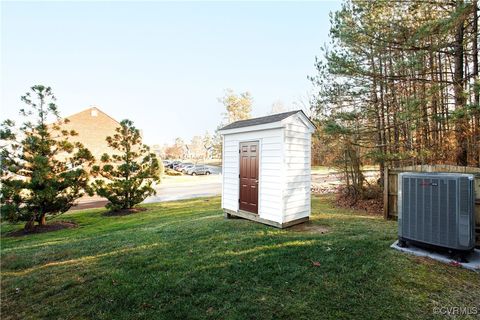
x: 229, y: 214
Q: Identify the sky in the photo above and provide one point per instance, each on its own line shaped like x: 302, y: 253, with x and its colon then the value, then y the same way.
x: 161, y: 64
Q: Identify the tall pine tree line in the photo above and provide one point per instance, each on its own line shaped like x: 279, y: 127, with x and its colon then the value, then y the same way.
x: 398, y: 84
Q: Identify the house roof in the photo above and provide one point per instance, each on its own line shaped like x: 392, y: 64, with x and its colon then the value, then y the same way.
x: 90, y: 109
x: 262, y: 120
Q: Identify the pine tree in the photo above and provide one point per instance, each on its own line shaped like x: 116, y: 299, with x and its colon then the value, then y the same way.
x: 129, y: 173
x: 42, y: 171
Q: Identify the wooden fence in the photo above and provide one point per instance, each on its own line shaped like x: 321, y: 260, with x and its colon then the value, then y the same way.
x: 390, y: 193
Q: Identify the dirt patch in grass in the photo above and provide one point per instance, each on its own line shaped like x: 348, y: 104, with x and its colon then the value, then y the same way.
x: 424, y: 260
x: 124, y: 212
x: 49, y: 227
x: 308, y: 227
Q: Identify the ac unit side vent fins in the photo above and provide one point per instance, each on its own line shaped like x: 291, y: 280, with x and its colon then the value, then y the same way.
x: 437, y: 209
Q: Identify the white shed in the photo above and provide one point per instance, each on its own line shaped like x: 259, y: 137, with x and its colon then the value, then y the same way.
x: 266, y: 169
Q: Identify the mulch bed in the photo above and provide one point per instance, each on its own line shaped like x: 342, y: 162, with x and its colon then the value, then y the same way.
x: 370, y: 206
x: 49, y: 227
x: 324, y: 189
x: 124, y: 212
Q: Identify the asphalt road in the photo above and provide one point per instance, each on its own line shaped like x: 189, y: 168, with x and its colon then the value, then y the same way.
x: 186, y: 190
x: 201, y: 186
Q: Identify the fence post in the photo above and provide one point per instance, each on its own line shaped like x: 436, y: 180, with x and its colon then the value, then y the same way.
x: 385, y: 193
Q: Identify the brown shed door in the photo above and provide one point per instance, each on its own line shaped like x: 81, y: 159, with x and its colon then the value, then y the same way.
x: 249, y: 176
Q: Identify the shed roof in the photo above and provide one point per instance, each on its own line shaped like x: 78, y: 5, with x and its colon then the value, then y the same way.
x: 262, y: 120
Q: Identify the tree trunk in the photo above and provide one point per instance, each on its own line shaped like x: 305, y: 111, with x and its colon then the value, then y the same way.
x: 458, y: 77
x: 377, y: 118
x: 43, y: 220
x: 30, y: 225
x: 434, y: 113
x: 476, y: 120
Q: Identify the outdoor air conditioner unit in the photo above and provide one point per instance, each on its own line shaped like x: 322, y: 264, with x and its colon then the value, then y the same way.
x: 437, y: 209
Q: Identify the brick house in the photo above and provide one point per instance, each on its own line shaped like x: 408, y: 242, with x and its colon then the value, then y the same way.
x: 92, y: 126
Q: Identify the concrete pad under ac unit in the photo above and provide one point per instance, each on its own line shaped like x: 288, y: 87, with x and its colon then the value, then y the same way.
x: 472, y: 264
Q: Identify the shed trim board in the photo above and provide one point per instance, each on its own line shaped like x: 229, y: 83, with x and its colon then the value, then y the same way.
x: 223, y: 169
x: 284, y: 150
x: 254, y: 217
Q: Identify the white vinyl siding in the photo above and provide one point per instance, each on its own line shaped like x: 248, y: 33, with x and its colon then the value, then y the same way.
x: 270, y: 204
x: 297, y: 170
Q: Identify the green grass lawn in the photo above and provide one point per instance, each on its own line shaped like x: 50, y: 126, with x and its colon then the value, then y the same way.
x: 183, y: 260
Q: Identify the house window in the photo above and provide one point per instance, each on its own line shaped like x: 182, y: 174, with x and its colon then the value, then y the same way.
x: 94, y: 113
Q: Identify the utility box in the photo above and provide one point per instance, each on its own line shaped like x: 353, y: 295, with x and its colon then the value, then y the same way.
x: 437, y: 209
